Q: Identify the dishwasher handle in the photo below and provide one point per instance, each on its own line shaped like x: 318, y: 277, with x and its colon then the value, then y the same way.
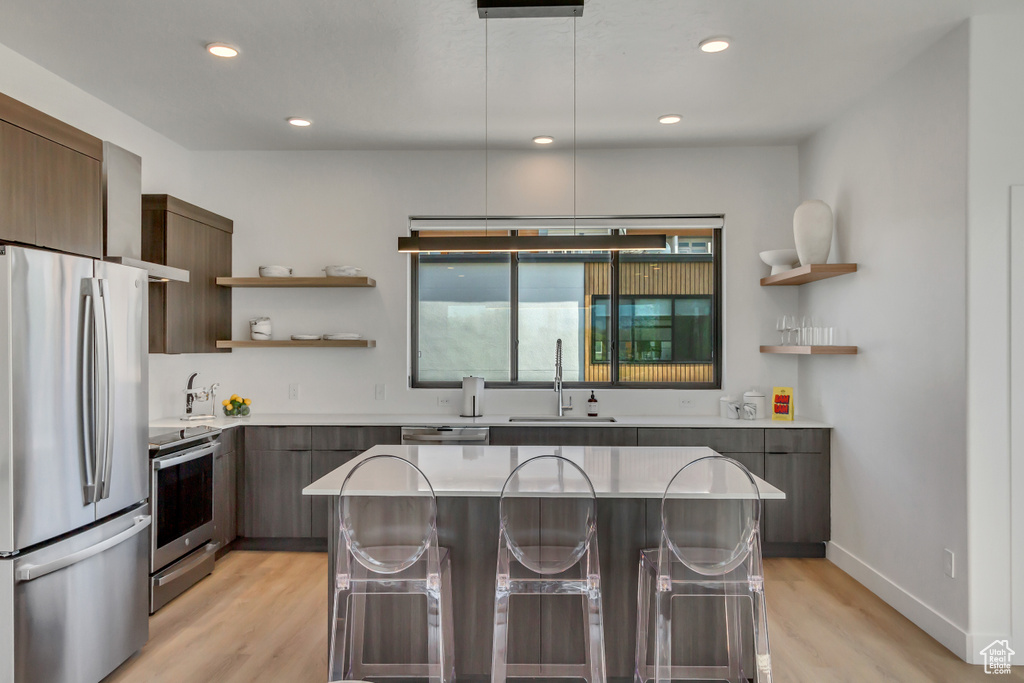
x: 444, y: 437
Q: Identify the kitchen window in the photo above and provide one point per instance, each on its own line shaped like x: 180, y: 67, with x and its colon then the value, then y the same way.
x: 626, y: 319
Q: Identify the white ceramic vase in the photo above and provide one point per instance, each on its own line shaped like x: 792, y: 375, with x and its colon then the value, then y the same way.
x: 812, y: 231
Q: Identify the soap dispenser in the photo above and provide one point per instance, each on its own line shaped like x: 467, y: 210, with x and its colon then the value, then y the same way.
x: 592, y: 405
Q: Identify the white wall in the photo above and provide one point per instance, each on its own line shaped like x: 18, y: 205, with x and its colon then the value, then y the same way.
x: 306, y: 210
x: 894, y: 170
x: 996, y: 162
x: 165, y: 164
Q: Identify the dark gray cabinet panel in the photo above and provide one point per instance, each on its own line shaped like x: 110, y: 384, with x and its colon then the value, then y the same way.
x: 354, y: 438
x: 469, y: 527
x: 273, y: 501
x: 278, y: 438
x: 737, y: 440
x: 324, y: 462
x: 796, y: 440
x: 225, y: 498
x: 804, y: 517
x: 563, y: 436
x: 618, y: 521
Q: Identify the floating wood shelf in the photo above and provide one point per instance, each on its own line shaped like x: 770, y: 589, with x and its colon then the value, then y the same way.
x: 292, y: 343
x: 296, y: 282
x: 812, y: 350
x: 808, y: 273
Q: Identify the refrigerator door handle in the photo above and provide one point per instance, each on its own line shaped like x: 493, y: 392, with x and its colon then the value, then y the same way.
x: 88, y: 392
x: 108, y: 392
x: 34, y: 571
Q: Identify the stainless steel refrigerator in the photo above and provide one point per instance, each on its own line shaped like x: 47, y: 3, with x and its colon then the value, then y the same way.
x: 74, y: 465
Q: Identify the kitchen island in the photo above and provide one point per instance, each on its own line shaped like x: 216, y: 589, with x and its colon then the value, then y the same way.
x: 467, y: 480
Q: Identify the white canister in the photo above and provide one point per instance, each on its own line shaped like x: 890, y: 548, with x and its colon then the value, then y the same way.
x: 757, y: 398
x: 260, y: 329
x: 728, y: 407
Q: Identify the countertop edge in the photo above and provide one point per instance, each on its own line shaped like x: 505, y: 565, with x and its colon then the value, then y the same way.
x: 422, y: 420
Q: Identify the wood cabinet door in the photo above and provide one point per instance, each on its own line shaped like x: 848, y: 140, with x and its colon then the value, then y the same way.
x: 17, y: 186
x: 804, y: 517
x: 69, y: 204
x: 225, y: 498
x: 183, y: 247
x: 273, y: 500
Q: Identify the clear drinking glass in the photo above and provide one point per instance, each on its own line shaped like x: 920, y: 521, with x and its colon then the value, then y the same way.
x: 782, y: 325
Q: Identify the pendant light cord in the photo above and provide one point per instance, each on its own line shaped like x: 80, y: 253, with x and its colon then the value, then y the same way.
x: 574, y: 125
x: 487, y: 56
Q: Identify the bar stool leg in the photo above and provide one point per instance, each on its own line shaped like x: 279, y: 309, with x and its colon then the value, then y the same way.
x: 643, y: 618
x: 447, y: 622
x: 435, y: 647
x: 339, y: 635
x: 357, y: 621
x: 499, y: 658
x: 734, y: 632
x: 663, y: 642
x: 595, y: 641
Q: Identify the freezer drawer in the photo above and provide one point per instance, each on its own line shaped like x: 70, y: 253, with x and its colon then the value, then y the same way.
x: 80, y: 606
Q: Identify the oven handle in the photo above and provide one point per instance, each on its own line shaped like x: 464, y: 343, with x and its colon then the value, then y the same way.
x: 172, y: 460
x: 34, y: 571
x: 189, y: 566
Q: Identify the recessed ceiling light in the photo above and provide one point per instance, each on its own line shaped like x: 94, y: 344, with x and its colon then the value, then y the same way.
x: 222, y: 50
x: 301, y: 123
x: 543, y: 139
x: 714, y: 44
x: 670, y: 118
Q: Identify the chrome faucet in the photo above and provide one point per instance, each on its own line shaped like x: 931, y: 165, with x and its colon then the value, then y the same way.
x: 558, y: 380
x: 202, y: 394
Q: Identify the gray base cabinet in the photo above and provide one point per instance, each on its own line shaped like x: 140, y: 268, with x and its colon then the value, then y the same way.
x: 280, y: 461
x: 793, y: 459
x: 225, y: 489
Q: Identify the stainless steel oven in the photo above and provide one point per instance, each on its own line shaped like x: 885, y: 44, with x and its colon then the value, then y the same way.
x: 181, y: 496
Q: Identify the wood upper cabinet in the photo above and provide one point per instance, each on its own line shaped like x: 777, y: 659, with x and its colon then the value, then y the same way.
x: 187, y: 317
x: 51, y: 182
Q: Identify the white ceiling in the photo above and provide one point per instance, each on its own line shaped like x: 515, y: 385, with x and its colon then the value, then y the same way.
x: 410, y: 74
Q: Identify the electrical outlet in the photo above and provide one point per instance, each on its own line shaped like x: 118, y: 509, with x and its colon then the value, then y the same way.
x: 686, y: 403
x: 948, y: 563
x: 379, y: 392
x: 293, y: 392
x: 444, y: 401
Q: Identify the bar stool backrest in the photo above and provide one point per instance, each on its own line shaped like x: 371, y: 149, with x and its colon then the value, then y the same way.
x: 388, y: 514
x: 711, y: 535
x: 548, y: 514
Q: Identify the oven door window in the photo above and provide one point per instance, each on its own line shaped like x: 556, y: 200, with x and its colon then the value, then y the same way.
x: 185, y: 499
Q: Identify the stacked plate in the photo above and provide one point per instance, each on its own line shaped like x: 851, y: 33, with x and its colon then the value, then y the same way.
x: 340, y: 336
x: 342, y: 271
x: 306, y: 337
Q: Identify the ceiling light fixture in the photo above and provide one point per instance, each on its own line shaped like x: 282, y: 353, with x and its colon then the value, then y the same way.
x: 511, y: 243
x: 222, y: 50
x: 299, y: 122
x: 717, y: 44
x: 669, y: 119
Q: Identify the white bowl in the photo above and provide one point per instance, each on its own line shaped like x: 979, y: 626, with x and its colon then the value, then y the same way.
x: 305, y: 337
x: 275, y: 271
x: 259, y: 336
x: 342, y: 271
x: 780, y: 260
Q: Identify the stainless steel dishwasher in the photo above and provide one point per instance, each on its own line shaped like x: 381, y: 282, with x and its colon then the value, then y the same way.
x: 464, y: 436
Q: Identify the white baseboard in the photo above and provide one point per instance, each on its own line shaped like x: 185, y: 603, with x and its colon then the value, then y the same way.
x: 956, y: 640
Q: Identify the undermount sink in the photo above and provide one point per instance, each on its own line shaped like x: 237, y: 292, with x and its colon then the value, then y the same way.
x: 556, y: 418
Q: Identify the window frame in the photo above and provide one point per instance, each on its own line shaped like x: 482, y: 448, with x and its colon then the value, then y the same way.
x: 716, y: 258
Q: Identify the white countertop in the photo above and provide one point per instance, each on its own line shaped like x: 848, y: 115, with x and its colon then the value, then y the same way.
x: 428, y: 420
x: 615, y: 472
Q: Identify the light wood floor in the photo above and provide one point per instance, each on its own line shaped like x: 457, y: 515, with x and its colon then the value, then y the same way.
x: 262, y: 616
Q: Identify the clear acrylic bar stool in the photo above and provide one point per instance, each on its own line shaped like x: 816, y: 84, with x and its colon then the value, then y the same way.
x: 548, y: 545
x: 710, y: 550
x: 387, y: 546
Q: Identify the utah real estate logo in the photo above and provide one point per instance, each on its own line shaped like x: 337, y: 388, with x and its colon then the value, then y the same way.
x: 997, y: 657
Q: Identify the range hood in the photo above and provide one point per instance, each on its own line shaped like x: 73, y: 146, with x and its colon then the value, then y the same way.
x: 122, y: 215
